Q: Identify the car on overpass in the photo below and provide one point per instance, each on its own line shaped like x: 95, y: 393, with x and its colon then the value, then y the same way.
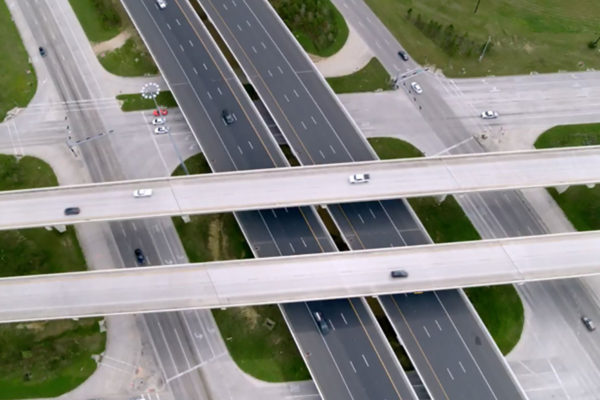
x: 142, y: 193
x: 489, y: 114
x: 359, y: 178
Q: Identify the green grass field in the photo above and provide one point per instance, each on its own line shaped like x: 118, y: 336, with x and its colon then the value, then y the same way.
x: 18, y: 81
x: 533, y: 35
x: 135, y: 101
x: 101, y: 19
x: 316, y: 24
x: 131, y: 59
x: 370, y: 78
x: 42, y: 359
x: 261, y: 349
x: 580, y: 204
x: 499, y: 307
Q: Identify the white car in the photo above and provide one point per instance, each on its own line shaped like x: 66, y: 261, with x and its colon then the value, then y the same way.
x: 416, y: 87
x: 158, y: 121
x: 142, y: 193
x: 359, y: 178
x: 489, y: 114
x: 161, y: 4
x: 161, y: 129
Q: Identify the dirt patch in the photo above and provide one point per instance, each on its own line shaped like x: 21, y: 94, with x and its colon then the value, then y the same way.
x: 215, y: 239
x: 251, y: 316
x: 528, y: 48
x: 112, y: 44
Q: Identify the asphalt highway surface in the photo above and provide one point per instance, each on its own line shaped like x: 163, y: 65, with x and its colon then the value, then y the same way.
x: 204, y: 86
x: 296, y: 96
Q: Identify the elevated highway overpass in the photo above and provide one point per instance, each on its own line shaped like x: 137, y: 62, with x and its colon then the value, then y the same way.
x: 298, y: 278
x: 296, y: 186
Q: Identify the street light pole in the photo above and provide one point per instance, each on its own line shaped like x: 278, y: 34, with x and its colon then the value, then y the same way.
x: 150, y: 91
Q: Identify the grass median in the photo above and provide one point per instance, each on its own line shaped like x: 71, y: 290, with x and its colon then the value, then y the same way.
x: 537, y: 35
x: 18, y: 81
x: 499, y: 307
x: 370, y: 78
x: 47, y: 358
x: 135, y: 101
x: 317, y: 24
x: 580, y: 204
x: 257, y: 337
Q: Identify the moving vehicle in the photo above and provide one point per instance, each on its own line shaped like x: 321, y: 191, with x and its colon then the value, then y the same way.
x: 589, y: 324
x: 158, y: 121
x: 161, y: 129
x: 489, y: 114
x: 403, y: 55
x: 161, y: 4
x: 399, y: 273
x: 321, y: 323
x: 42, y: 51
x: 139, y: 256
x: 416, y: 87
x: 72, y: 210
x: 359, y: 178
x: 228, y: 118
x: 142, y: 193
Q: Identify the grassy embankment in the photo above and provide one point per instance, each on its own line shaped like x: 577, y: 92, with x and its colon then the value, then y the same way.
x: 48, y: 358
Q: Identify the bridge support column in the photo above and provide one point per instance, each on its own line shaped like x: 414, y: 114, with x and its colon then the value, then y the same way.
x: 59, y: 228
x: 561, y: 189
x: 591, y: 185
x: 186, y: 218
x: 440, y: 199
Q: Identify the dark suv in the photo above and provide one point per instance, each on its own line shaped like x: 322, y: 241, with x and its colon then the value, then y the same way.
x: 403, y: 55
x: 139, y: 256
x: 72, y: 210
x: 42, y: 51
x: 321, y: 323
x: 228, y: 117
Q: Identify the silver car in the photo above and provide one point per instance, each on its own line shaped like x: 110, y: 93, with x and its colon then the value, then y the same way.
x: 161, y: 4
x: 416, y: 87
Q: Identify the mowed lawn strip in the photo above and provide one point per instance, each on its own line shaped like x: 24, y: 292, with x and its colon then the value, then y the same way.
x: 257, y: 338
x: 47, y: 358
x: 499, y: 307
x: 18, y: 81
x: 370, y: 78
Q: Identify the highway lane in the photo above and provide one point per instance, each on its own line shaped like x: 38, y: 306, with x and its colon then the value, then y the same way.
x: 288, y: 187
x: 168, y: 33
x: 300, y: 92
x: 315, y: 276
x: 78, y: 86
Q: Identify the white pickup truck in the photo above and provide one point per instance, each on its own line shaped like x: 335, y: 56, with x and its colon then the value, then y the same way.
x: 359, y: 178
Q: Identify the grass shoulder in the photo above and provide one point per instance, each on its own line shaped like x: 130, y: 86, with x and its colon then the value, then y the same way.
x: 580, y: 204
x: 370, y: 78
x: 100, y: 19
x: 499, y: 307
x: 257, y: 337
x: 541, y: 36
x: 135, y: 101
x: 317, y: 24
x: 131, y: 59
x: 18, y: 81
x: 48, y: 358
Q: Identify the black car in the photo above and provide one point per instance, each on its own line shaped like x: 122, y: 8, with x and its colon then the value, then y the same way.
x: 403, y: 55
x: 139, y: 256
x: 399, y: 273
x: 589, y: 324
x: 321, y: 323
x: 72, y: 210
x: 42, y: 51
x: 228, y: 117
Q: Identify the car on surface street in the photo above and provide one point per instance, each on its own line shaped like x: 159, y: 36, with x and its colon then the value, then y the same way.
x: 42, y: 51
x: 589, y: 324
x: 403, y: 55
x: 161, y: 129
x: 158, y: 121
x: 416, y: 87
